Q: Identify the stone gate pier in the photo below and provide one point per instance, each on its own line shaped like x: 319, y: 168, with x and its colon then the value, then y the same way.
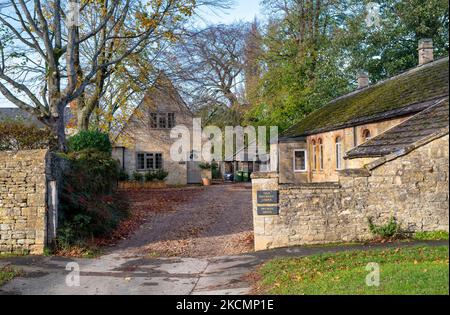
x: 29, y: 183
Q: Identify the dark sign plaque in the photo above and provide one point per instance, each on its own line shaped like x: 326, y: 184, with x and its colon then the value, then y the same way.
x: 269, y: 210
x: 268, y: 197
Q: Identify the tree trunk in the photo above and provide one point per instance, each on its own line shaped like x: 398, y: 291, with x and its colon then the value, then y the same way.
x: 61, y: 134
x: 82, y: 120
x: 58, y: 128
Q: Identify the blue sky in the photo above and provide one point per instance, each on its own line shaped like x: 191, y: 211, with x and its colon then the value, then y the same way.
x: 244, y: 10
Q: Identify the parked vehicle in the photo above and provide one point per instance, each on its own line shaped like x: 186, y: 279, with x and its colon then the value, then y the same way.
x: 229, y: 177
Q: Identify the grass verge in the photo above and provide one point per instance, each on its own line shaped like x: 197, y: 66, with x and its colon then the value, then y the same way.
x: 7, y: 273
x: 408, y: 271
x: 431, y: 236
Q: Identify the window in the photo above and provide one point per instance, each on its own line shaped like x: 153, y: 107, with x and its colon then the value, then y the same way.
x: 153, y: 120
x: 171, y: 120
x: 320, y: 142
x: 162, y: 120
x: 300, y: 161
x: 314, y: 150
x: 366, y: 135
x: 149, y: 161
x: 338, y: 153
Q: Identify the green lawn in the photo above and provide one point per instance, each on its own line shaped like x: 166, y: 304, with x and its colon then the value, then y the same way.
x: 7, y: 274
x: 408, y: 271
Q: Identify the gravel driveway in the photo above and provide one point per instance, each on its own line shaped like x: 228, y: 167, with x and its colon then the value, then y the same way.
x: 194, y: 222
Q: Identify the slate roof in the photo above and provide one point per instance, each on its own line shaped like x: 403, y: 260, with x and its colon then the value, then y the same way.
x: 14, y: 113
x: 404, y: 94
x: 419, y: 127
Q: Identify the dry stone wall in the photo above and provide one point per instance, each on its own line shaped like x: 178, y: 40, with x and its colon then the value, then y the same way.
x: 413, y: 188
x: 28, y: 200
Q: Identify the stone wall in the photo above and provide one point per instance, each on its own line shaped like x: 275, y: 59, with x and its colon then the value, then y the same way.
x: 413, y: 188
x: 24, y: 206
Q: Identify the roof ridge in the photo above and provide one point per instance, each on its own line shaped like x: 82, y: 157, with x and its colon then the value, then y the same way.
x: 403, y: 73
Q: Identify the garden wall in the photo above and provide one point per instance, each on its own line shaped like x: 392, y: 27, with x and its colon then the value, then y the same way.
x: 29, y: 182
x: 413, y: 188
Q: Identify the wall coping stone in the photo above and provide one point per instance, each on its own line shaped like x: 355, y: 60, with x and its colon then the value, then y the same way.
x: 328, y: 185
x: 262, y: 175
x: 377, y: 163
x: 355, y: 172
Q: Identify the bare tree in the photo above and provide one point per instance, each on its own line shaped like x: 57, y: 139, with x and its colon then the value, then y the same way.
x: 209, y: 65
x: 48, y: 60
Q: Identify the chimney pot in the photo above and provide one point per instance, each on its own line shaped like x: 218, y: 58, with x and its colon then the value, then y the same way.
x: 363, y: 80
x: 426, y: 51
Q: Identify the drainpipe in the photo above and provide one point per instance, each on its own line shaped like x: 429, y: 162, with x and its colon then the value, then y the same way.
x: 123, y: 159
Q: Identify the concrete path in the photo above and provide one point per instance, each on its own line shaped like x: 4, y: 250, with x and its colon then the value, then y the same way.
x: 118, y: 274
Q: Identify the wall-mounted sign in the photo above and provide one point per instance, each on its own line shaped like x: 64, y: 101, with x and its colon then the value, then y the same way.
x: 269, y: 210
x: 268, y: 197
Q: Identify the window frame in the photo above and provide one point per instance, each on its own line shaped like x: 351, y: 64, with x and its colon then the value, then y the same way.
x: 306, y: 161
x: 314, y: 155
x: 169, y: 119
x: 321, y: 153
x: 146, y: 159
x: 364, y: 133
x: 338, y: 153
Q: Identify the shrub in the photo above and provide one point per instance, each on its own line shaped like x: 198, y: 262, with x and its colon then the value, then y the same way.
x: 205, y: 166
x: 17, y: 135
x: 216, y: 174
x: 96, y: 171
x: 161, y: 175
x: 150, y: 176
x: 89, y: 203
x: 138, y: 176
x: 387, y: 231
x: 123, y: 176
x: 90, y: 140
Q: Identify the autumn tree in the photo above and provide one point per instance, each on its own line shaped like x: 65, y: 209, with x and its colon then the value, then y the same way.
x: 253, y: 63
x: 208, y: 64
x: 53, y: 53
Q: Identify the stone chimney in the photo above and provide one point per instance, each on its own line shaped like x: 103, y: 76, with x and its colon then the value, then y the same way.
x: 363, y: 80
x: 426, y: 51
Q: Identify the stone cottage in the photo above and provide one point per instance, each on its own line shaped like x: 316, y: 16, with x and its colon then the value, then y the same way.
x: 378, y: 153
x: 322, y: 145
x: 143, y: 145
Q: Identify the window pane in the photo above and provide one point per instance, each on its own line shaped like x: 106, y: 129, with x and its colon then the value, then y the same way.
x: 338, y: 155
x: 153, y: 120
x: 171, y: 120
x: 150, y: 161
x: 141, y: 161
x: 162, y: 122
x: 300, y: 161
x: 158, y: 161
x: 321, y: 156
x: 315, y: 157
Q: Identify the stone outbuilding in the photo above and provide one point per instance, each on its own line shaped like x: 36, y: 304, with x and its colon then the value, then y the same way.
x: 378, y: 153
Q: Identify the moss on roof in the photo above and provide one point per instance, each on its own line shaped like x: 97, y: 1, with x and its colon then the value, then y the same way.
x: 412, y: 87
